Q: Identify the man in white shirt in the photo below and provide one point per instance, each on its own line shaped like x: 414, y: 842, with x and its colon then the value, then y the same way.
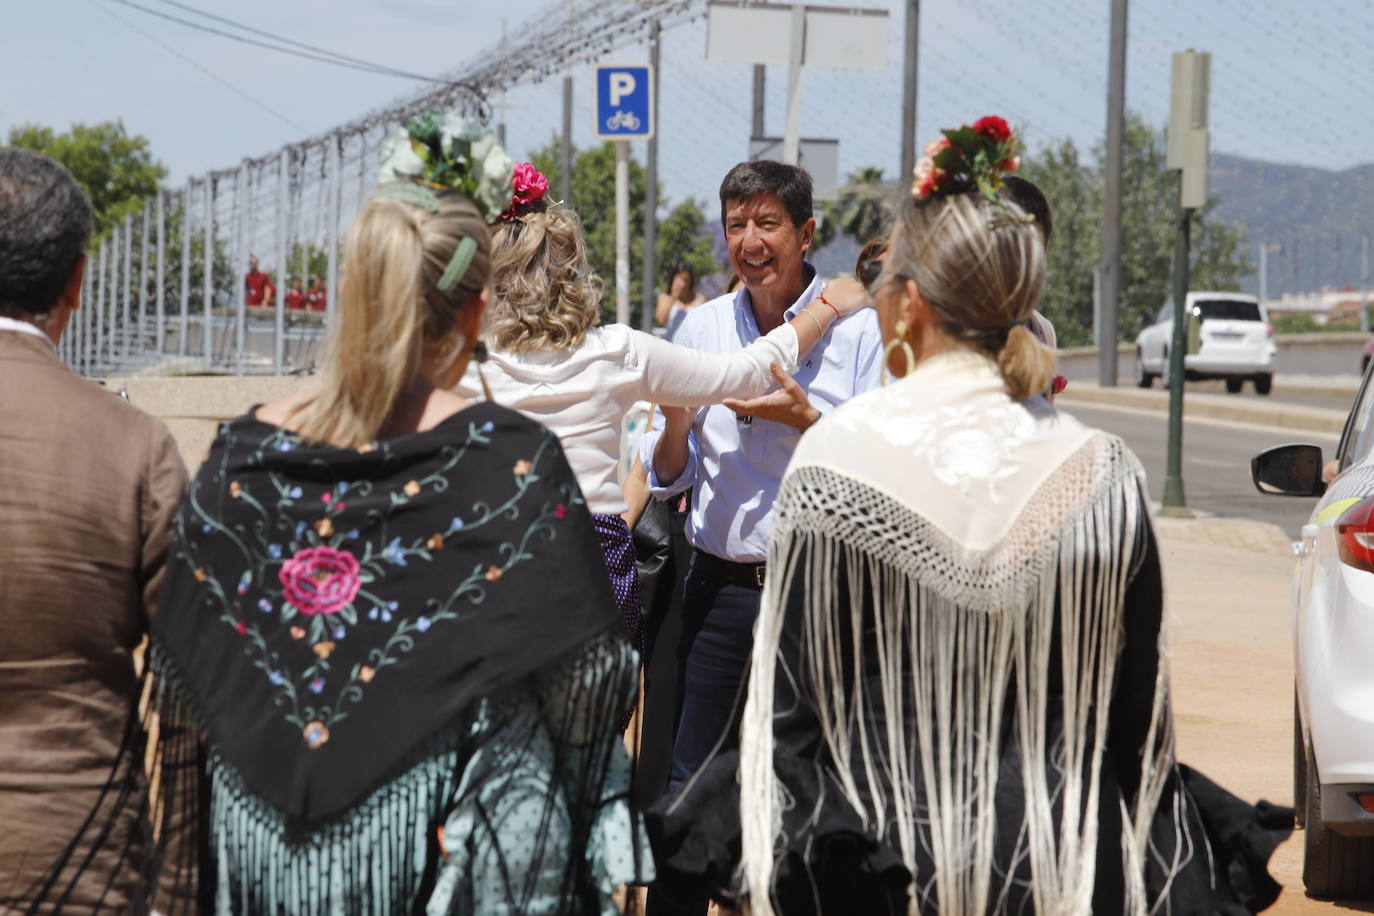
x: 734, y: 455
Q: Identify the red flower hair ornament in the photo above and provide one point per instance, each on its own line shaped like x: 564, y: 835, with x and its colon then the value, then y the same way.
x: 528, y: 187
x: 973, y: 157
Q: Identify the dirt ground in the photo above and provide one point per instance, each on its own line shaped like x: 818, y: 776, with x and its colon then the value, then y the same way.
x: 1232, y: 669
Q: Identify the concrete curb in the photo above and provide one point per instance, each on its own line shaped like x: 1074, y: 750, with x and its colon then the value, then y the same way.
x: 1275, y: 414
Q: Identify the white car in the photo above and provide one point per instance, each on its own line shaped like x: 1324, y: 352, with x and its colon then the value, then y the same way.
x: 1333, y: 644
x: 1231, y: 339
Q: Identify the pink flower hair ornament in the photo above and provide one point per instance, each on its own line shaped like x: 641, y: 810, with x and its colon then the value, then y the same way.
x: 528, y: 187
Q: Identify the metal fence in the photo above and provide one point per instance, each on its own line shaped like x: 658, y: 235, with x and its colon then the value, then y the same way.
x: 168, y: 284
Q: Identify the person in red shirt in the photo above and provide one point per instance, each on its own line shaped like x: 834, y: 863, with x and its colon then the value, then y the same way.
x: 315, y: 299
x: 255, y: 283
x: 269, y: 292
x: 295, y: 295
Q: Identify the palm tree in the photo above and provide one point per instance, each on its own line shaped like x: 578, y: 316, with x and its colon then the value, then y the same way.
x: 862, y: 211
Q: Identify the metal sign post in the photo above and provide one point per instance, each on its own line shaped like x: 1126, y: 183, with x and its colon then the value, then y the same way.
x: 624, y: 112
x: 1187, y: 153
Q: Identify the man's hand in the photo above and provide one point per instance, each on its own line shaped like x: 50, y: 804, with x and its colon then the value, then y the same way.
x: 788, y: 404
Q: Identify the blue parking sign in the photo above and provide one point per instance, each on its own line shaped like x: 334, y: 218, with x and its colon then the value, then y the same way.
x: 624, y: 102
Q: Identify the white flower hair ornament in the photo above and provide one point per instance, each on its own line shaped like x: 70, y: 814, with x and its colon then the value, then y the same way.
x: 436, y: 152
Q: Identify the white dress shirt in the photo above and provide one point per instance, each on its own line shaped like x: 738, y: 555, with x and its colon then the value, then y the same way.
x: 24, y: 327
x: 582, y: 393
x: 736, y: 466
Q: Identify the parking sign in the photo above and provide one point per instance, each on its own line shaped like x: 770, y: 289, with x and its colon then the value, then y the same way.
x: 624, y: 102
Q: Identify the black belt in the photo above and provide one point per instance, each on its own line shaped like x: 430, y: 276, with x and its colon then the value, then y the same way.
x: 748, y: 575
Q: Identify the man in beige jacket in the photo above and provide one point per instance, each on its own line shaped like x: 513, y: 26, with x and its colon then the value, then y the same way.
x: 89, y: 487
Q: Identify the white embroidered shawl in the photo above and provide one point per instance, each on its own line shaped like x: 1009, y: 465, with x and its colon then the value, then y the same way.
x: 974, y: 523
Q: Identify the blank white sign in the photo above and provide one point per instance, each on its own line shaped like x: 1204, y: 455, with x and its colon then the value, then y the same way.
x: 760, y: 33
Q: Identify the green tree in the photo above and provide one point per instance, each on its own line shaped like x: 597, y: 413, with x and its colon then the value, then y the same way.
x: 117, y: 170
x: 1149, y: 222
x: 681, y: 235
x: 862, y: 211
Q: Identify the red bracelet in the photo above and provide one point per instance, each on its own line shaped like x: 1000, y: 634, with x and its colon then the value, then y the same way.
x: 821, y: 298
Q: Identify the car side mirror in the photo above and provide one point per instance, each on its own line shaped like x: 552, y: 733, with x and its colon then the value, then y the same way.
x: 1288, y: 470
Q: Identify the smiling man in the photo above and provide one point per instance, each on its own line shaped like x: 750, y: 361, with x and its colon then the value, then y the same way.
x: 735, y: 456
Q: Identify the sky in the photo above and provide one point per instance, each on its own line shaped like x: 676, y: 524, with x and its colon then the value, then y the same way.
x: 1288, y: 81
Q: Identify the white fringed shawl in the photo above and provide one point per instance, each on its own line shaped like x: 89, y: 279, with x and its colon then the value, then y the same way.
x: 973, y: 523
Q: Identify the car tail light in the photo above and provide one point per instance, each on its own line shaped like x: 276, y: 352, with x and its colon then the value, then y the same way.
x: 1269, y: 328
x: 1366, y: 801
x: 1355, y: 535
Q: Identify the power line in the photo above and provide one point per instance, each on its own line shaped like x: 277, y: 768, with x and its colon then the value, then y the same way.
x: 214, y: 76
x: 324, y: 57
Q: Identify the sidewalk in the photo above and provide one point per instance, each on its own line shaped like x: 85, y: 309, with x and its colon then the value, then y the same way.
x: 1275, y: 414
x: 1227, y: 602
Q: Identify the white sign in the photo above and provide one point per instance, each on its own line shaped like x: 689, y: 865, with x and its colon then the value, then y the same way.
x: 760, y: 33
x: 820, y: 158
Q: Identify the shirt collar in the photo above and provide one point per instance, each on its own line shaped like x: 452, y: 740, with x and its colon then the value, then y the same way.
x: 744, y: 305
x: 24, y: 327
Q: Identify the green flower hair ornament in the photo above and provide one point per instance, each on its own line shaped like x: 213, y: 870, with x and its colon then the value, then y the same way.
x: 445, y: 150
x: 438, y: 151
x: 970, y: 158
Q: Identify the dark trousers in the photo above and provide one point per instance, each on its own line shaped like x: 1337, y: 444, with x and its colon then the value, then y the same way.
x: 717, y: 638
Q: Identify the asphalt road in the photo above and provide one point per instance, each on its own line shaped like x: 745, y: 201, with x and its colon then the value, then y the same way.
x: 1216, y: 462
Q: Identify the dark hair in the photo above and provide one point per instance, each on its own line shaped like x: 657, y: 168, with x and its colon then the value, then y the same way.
x: 875, y: 248
x: 788, y: 183
x: 45, y: 225
x: 1028, y: 197
x: 682, y: 267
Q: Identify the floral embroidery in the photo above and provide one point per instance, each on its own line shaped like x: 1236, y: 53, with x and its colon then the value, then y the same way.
x: 320, y: 580
x: 333, y: 589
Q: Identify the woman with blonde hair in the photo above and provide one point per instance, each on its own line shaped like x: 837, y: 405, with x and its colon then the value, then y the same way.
x: 387, y: 669
x: 550, y: 359
x: 958, y: 700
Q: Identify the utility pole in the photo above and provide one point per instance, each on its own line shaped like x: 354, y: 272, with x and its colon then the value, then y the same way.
x: 909, y: 75
x: 757, y: 129
x: 791, y: 135
x: 650, y: 275
x: 1364, y: 286
x: 1187, y: 152
x: 1111, y: 215
x: 501, y: 98
x: 565, y: 159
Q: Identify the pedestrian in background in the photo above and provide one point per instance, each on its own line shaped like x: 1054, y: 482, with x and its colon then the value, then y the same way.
x: 255, y: 284
x: 89, y: 487
x: 295, y: 294
x: 316, y: 299
x: 682, y: 295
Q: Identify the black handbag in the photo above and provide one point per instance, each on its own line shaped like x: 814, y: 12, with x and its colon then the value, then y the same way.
x: 653, y: 543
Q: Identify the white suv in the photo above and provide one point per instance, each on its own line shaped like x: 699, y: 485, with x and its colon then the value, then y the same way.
x: 1229, y: 337
x: 1333, y: 641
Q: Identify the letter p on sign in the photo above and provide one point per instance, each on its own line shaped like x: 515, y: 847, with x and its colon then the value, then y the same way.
x: 622, y: 84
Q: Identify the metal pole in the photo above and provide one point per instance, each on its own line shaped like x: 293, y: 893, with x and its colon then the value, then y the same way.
x: 909, y: 76
x: 143, y: 270
x: 1111, y: 216
x: 98, y: 318
x: 243, y: 196
x: 112, y: 315
x: 1174, y: 503
x: 791, y: 137
x: 565, y: 156
x: 161, y: 304
x: 279, y: 317
x: 332, y: 231
x: 125, y: 293
x: 650, y: 275
x: 760, y: 75
x: 185, y: 271
x: 501, y: 98
x: 622, y: 232
x: 207, y: 268
x: 1264, y: 272
x: 362, y: 171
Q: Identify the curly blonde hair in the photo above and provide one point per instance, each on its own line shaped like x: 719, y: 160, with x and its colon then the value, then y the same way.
x: 545, y: 293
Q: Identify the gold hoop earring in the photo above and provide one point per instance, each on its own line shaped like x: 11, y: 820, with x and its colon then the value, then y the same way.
x: 898, y: 340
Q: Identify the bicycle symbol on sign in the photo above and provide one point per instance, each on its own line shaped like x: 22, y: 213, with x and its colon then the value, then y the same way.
x: 623, y: 120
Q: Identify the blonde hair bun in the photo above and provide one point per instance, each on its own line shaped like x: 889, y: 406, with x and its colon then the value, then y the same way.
x: 545, y: 293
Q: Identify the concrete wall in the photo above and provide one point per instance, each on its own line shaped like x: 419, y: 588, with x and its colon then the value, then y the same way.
x: 1299, y: 354
x: 194, y: 406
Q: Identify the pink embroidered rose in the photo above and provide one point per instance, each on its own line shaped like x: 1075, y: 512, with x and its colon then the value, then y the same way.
x: 320, y: 580
x: 527, y: 184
